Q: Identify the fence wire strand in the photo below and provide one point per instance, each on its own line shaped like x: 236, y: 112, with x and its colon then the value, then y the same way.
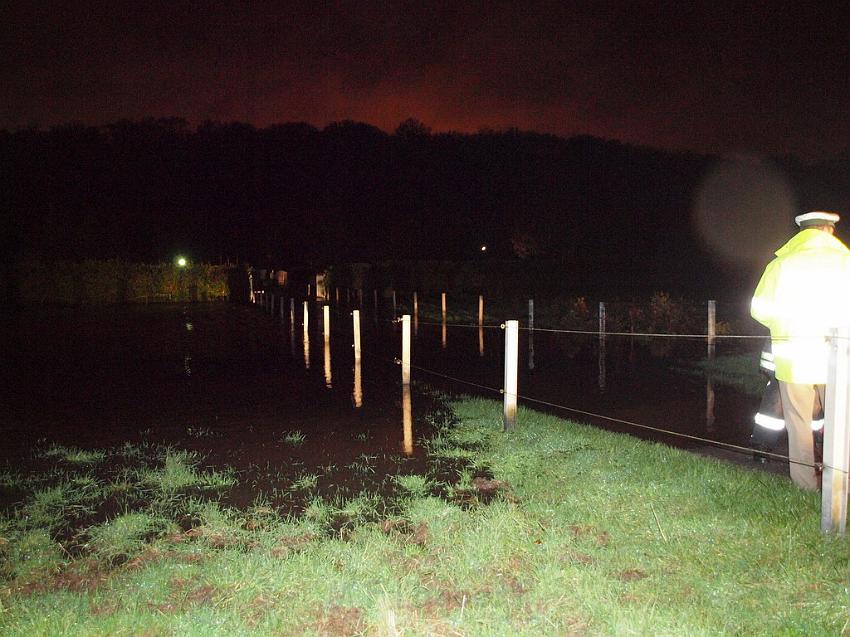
x: 530, y: 399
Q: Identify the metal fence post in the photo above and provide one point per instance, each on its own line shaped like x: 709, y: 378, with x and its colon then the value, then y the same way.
x: 511, y: 360
x: 836, y: 441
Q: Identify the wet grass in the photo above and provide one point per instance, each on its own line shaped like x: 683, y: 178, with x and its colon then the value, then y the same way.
x: 552, y: 529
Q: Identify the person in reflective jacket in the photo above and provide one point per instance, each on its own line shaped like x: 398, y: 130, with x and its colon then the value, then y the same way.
x: 803, y: 293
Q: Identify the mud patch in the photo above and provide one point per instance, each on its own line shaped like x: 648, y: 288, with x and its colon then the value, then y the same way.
x: 341, y: 621
x: 587, y: 531
x: 293, y: 544
x: 632, y: 575
x: 417, y: 534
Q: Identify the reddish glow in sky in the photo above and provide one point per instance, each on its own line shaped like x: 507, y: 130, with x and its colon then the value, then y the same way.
x: 705, y: 76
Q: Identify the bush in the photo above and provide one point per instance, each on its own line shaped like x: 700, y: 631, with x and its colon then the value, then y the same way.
x: 103, y: 282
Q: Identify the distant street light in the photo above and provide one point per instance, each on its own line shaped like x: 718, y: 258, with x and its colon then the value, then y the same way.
x: 483, y: 248
x: 181, y: 262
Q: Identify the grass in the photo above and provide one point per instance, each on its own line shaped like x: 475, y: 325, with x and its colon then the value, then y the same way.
x: 294, y: 438
x: 552, y: 529
x: 179, y: 473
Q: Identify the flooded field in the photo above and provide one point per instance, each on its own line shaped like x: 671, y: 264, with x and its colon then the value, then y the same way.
x: 260, y: 394
x: 217, y: 379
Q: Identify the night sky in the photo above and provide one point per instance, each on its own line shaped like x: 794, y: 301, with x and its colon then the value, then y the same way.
x: 714, y: 77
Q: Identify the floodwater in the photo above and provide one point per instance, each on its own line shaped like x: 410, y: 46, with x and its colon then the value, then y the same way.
x: 643, y: 386
x: 222, y: 379
x: 240, y: 383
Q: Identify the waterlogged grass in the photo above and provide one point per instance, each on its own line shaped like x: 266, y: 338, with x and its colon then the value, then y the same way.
x: 551, y: 529
x: 294, y: 438
x: 179, y: 473
x: 73, y: 455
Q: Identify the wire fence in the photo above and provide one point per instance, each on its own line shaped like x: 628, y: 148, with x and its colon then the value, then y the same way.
x: 631, y: 424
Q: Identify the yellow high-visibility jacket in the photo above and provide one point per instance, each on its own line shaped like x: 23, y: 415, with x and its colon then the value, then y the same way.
x: 803, y: 293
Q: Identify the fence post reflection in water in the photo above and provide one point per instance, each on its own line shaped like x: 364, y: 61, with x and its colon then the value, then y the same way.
x: 306, y: 349
x: 709, y: 404
x: 291, y: 311
x: 407, y: 419
x: 328, y: 375
x: 395, y: 306
x: 357, y: 390
x: 530, y: 333
x: 836, y: 436
x: 511, y: 373
x: 306, y: 317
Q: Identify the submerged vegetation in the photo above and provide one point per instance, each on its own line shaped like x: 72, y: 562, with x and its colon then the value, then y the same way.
x: 552, y: 529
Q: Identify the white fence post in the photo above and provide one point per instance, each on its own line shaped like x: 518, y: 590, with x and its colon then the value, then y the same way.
x: 356, y: 320
x: 306, y: 318
x: 530, y: 333
x: 601, y: 319
x: 836, y: 441
x: 511, y: 360
x: 405, y: 349
x: 602, y: 354
x: 327, y: 313
x: 712, y: 327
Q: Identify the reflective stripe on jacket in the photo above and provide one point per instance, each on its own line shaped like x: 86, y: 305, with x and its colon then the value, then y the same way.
x: 803, y: 293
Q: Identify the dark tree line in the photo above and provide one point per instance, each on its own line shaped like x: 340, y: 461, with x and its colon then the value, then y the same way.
x: 292, y: 194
